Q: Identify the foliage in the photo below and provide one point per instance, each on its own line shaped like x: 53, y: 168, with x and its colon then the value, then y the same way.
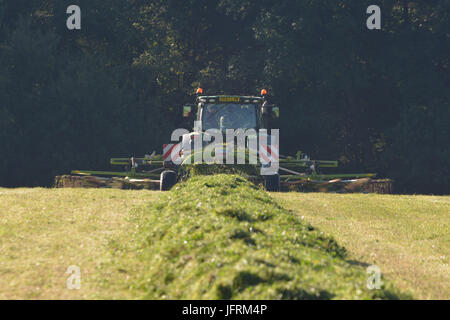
x: 377, y: 100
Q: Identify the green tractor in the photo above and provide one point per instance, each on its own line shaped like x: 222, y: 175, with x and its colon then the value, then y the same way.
x: 214, y: 117
x: 219, y: 122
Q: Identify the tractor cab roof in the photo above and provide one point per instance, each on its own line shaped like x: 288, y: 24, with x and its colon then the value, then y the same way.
x: 229, y: 99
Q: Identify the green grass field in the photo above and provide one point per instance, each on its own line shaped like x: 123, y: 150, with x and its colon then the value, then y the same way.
x: 407, y: 237
x: 228, y: 241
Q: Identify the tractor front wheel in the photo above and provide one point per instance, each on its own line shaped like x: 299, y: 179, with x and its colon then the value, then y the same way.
x: 272, y: 182
x: 168, y: 180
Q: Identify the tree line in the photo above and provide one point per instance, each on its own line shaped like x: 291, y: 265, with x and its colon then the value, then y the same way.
x: 376, y: 100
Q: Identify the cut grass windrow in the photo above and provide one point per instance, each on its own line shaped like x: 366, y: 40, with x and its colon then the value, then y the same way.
x: 220, y: 237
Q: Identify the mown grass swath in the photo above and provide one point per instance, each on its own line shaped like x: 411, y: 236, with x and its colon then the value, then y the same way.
x: 221, y: 237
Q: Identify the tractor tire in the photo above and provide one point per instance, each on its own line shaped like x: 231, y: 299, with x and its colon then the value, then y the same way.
x: 272, y: 182
x: 168, y: 180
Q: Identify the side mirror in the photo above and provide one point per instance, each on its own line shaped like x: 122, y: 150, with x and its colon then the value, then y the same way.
x: 270, y: 110
x: 187, y: 111
x: 275, y: 112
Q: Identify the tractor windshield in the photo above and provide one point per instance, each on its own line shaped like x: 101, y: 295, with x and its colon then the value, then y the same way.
x: 229, y: 116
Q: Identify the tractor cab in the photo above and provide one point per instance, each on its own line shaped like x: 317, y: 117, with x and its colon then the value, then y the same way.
x: 220, y: 115
x: 231, y: 112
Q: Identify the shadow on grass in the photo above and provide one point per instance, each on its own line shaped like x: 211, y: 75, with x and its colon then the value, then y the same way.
x: 358, y: 263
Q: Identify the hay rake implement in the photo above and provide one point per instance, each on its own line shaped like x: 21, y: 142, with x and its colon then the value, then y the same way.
x: 226, y: 112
